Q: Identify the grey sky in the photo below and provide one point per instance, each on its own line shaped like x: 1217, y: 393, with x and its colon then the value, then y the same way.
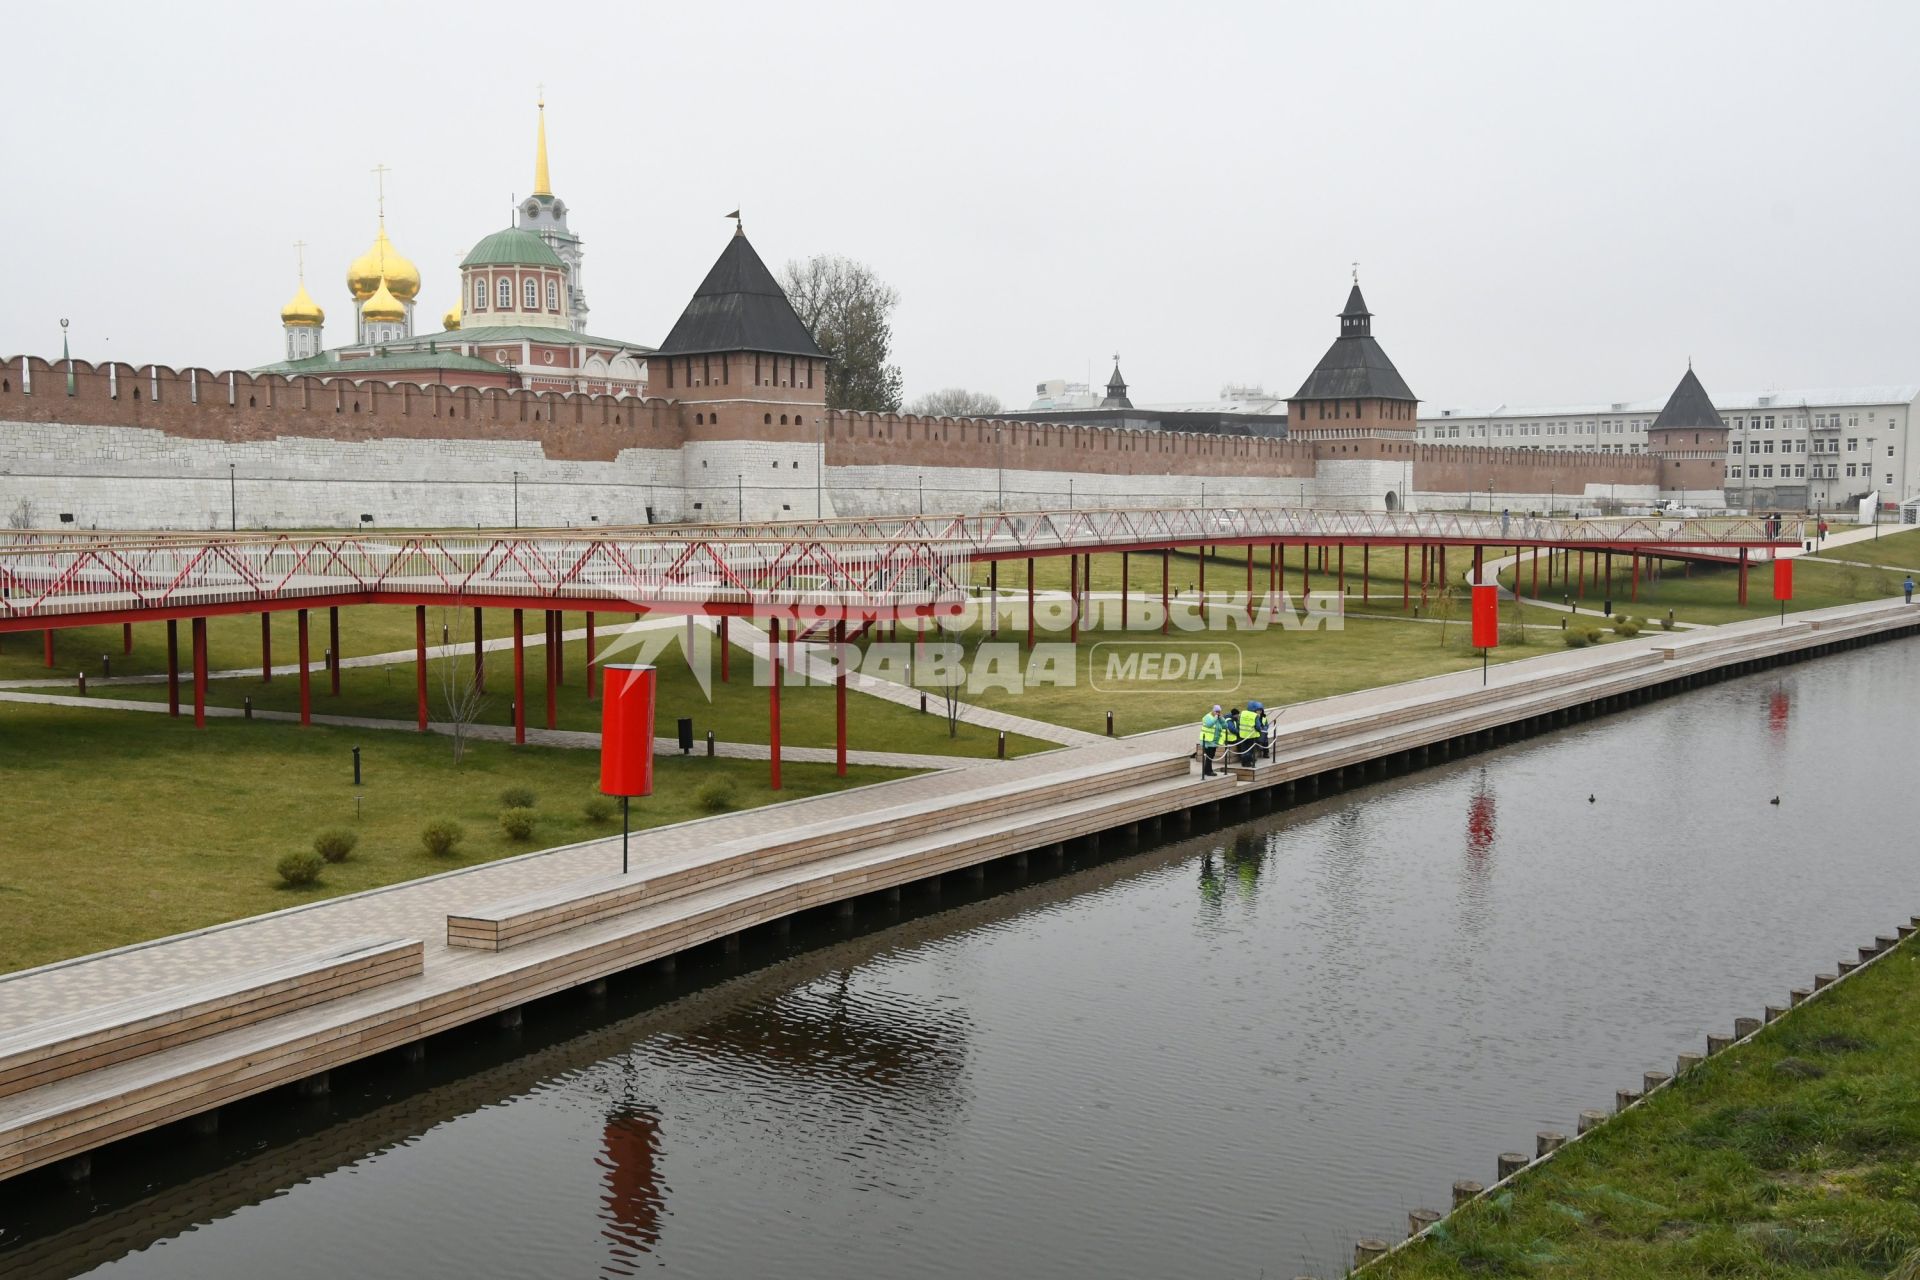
x: 1548, y: 202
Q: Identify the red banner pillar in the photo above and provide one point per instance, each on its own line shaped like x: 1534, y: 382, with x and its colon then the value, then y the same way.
x: 1486, y: 623
x: 626, y: 739
x: 420, y: 666
x: 306, y: 685
x: 173, y: 667
x: 773, y: 701
x: 199, y: 673
x: 519, y: 678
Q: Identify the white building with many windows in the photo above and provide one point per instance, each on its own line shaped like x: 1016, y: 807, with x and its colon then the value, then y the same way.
x: 1819, y: 449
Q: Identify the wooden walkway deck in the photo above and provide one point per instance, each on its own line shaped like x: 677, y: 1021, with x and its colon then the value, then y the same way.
x: 537, y: 925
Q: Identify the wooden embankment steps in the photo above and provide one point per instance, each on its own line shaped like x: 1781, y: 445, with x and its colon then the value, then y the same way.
x: 518, y: 920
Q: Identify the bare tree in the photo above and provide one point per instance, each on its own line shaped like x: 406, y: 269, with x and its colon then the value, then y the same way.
x: 24, y: 515
x: 845, y: 306
x: 954, y: 402
x: 462, y: 701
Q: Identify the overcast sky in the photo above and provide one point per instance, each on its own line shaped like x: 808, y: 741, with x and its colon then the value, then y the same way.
x: 1548, y: 202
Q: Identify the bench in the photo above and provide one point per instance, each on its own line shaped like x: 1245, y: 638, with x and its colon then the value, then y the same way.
x: 58, y: 1048
x: 522, y: 919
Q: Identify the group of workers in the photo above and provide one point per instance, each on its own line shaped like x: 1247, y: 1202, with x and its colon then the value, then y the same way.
x: 1238, y: 734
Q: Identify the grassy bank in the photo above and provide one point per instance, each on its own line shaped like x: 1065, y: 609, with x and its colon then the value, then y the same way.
x: 122, y: 826
x: 1792, y: 1156
x: 1894, y: 546
x: 1711, y: 595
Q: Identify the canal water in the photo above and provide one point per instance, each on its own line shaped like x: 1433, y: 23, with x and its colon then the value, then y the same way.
x: 1224, y: 1056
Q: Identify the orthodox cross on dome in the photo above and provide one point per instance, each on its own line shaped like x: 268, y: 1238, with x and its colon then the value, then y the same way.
x: 542, y: 183
x: 380, y: 172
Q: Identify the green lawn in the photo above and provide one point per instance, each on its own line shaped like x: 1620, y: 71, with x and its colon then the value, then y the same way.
x: 1893, y: 546
x: 1793, y: 1157
x: 1710, y: 594
x: 1227, y: 571
x: 123, y: 826
x: 1276, y: 665
x: 737, y: 711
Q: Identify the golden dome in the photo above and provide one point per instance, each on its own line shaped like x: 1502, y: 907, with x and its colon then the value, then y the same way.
x: 451, y: 320
x: 383, y: 306
x: 303, y: 309
x: 382, y: 262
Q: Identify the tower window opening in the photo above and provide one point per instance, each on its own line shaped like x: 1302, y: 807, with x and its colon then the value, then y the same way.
x: 479, y: 294
x: 532, y: 294
x: 505, y: 293
x: 553, y: 296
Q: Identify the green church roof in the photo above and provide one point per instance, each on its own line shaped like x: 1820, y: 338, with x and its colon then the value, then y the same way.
x: 329, y: 364
x: 512, y: 247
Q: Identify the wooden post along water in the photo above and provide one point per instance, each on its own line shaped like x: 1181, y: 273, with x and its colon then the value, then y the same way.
x: 626, y: 738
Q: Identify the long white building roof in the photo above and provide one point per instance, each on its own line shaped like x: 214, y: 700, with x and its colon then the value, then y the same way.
x: 1739, y: 401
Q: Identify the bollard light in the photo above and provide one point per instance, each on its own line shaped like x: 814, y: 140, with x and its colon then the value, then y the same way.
x: 246, y: 707
x: 83, y: 682
x: 709, y: 744
x: 1109, y: 724
x: 106, y: 665
x: 1003, y: 744
x: 356, y: 766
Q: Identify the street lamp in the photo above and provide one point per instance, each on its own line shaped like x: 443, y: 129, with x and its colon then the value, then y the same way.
x: 1000, y: 469
x: 740, y: 496
x: 920, y: 483
x: 233, y: 502
x: 516, y: 499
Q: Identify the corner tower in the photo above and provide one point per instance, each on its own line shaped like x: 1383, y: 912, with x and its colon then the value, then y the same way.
x: 1689, y: 441
x: 1354, y: 391
x: 545, y: 215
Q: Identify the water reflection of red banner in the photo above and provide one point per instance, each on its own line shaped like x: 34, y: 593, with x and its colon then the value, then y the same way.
x: 630, y: 1157
x: 1480, y: 820
x: 1779, y: 706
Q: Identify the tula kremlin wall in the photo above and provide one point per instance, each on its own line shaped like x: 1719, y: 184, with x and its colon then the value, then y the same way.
x: 513, y: 414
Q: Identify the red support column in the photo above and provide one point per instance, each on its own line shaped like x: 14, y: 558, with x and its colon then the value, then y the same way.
x: 1743, y: 575
x: 1073, y: 594
x: 1249, y: 582
x: 1166, y: 603
x: 1126, y: 585
x: 1581, y: 591
x: 333, y: 647
x: 126, y: 637
x: 479, y: 656
x: 1406, y: 576
x: 47, y: 637
x: 1533, y: 591
x: 1636, y: 578
x: 419, y: 666
x: 266, y: 648
x: 773, y: 701
x: 173, y: 667
x: 1478, y: 561
x: 993, y: 596
x: 1029, y: 604
x: 519, y: 680
x: 306, y: 683
x: 840, y: 698
x: 199, y: 673
x: 1366, y: 571
x: 1273, y: 575
x: 559, y: 643
x: 726, y: 664
x: 1306, y: 573
x: 1343, y: 569
x: 1203, y: 582
x: 590, y: 657
x: 553, y: 669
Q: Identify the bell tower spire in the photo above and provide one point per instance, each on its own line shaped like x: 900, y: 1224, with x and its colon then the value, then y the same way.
x: 542, y: 184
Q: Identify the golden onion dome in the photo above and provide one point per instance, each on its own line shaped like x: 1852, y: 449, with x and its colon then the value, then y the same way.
x: 383, y: 262
x: 383, y: 305
x: 451, y: 320
x: 303, y: 309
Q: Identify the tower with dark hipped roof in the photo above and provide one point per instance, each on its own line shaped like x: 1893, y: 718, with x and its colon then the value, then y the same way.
x: 1354, y: 391
x: 1689, y: 440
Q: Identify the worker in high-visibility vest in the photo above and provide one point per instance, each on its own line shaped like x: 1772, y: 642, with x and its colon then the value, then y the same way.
x: 1209, y: 740
x: 1230, y: 736
x: 1264, y: 747
x: 1249, y: 733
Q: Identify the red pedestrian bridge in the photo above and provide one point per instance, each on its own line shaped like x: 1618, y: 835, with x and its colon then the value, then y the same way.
x: 812, y: 574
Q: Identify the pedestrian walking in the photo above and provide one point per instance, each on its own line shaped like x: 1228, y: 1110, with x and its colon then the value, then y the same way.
x: 1506, y: 518
x: 1908, y: 585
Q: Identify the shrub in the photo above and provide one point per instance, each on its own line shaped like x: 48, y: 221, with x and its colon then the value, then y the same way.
x: 518, y: 798
x: 299, y: 868
x: 336, y: 843
x: 1513, y: 634
x: 716, y: 795
x: 1575, y: 638
x: 518, y: 822
x: 597, y: 809
x: 1626, y: 627
x: 1666, y: 624
x: 441, y: 837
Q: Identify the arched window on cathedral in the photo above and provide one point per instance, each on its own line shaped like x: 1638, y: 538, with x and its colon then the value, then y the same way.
x: 553, y: 295
x: 505, y: 293
x: 532, y: 294
x: 479, y: 293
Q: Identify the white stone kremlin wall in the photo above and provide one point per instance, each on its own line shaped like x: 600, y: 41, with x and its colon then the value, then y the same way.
x: 137, y: 478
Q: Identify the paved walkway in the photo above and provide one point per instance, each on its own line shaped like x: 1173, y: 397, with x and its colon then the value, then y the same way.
x: 574, y: 738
